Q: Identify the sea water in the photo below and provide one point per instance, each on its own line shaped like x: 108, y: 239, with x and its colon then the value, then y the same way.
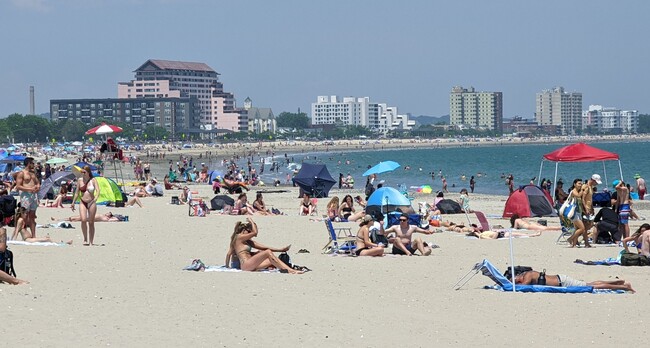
x: 488, y: 164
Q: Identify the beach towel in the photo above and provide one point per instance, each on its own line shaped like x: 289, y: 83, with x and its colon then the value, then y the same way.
x: 226, y: 269
x: 20, y: 242
x: 610, y: 261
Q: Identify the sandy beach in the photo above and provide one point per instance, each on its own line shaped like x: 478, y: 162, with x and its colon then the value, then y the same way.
x: 133, y: 291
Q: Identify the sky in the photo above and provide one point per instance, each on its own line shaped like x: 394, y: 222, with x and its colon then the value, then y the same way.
x: 284, y: 53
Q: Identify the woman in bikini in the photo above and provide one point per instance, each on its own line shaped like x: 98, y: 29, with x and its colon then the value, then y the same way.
x: 20, y: 218
x: 347, y: 211
x: 576, y: 194
x: 637, y: 238
x: 518, y: 222
x: 364, y: 246
x: 333, y: 209
x: 241, y: 245
x: 260, y: 206
x: 88, y: 190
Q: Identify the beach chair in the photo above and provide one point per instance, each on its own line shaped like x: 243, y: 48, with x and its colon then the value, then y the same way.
x: 483, y: 221
x: 567, y: 230
x: 341, y: 239
x: 488, y: 270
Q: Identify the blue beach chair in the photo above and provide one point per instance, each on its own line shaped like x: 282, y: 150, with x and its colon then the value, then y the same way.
x: 340, y: 238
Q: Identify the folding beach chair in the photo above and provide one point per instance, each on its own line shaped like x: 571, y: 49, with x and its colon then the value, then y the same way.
x: 489, y: 271
x: 340, y: 238
x: 567, y: 230
x: 482, y: 220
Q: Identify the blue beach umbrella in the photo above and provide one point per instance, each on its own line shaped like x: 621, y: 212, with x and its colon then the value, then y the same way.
x: 382, y: 167
x: 387, y: 196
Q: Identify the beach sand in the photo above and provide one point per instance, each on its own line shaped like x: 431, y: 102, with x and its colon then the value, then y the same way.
x: 133, y: 291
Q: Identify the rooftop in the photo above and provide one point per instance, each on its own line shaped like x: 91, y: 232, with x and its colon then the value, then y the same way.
x: 176, y: 65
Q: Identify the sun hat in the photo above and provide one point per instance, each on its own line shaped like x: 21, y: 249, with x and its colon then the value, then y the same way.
x: 596, y: 178
x: 615, y: 183
x: 637, y: 176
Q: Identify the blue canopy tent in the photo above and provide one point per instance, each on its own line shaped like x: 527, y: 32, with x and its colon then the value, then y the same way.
x: 314, y: 179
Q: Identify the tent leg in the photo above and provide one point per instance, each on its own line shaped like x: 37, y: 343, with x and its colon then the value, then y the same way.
x: 539, y: 177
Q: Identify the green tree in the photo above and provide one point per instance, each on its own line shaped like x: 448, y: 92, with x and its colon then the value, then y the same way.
x: 292, y: 120
x: 155, y: 133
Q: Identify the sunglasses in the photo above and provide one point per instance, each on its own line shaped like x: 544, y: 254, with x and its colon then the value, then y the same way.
x: 403, y: 220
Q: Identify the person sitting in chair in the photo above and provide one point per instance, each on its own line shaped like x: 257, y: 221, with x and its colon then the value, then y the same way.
x: 403, y: 242
x: 531, y: 277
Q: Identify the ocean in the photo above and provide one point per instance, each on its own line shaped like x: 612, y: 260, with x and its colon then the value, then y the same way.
x: 488, y: 164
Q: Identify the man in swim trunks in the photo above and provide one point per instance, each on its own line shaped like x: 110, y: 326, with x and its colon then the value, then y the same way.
x: 623, y: 207
x: 404, y: 243
x: 530, y: 278
x: 29, y: 185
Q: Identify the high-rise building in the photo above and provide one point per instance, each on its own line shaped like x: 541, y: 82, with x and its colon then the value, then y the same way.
x: 559, y: 108
x: 163, y: 78
x: 358, y: 112
x: 610, y: 120
x: 473, y: 109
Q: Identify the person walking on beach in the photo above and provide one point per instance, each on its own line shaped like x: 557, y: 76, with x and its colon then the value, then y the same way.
x: 88, y: 189
x: 444, y: 185
x: 576, y: 193
x: 28, y: 185
x: 623, y: 206
x: 640, y: 186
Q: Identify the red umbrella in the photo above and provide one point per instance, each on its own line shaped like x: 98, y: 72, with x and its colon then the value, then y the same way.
x: 103, y: 129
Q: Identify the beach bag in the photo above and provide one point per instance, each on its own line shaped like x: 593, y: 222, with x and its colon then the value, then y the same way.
x: 630, y: 259
x: 518, y: 270
x: 284, y: 257
x: 377, y: 238
x: 568, y: 209
x: 7, y: 262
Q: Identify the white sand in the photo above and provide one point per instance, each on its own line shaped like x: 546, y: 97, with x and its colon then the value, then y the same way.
x: 132, y: 292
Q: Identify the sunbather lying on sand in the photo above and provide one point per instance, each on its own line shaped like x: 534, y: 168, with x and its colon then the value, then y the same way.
x: 500, y: 234
x: 21, y: 228
x: 108, y: 217
x: 525, y: 224
x: 530, y: 278
x: 241, y: 244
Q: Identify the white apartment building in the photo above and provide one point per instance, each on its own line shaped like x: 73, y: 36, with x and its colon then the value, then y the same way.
x: 610, y: 119
x: 559, y: 108
x: 358, y: 112
x: 163, y: 78
x: 473, y: 109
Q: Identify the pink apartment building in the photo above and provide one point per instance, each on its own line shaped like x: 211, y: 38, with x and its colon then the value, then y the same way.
x: 163, y: 79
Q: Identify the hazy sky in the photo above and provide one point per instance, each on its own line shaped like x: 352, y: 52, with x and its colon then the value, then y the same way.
x: 283, y: 54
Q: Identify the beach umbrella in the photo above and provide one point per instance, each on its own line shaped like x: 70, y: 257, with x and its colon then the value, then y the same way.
x: 13, y: 158
x: 54, y: 180
x: 426, y: 189
x: 220, y: 201
x: 103, y: 129
x: 382, y: 167
x: 214, y: 174
x: 56, y: 160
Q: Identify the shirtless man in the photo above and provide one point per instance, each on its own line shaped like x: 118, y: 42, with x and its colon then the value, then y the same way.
x: 623, y: 207
x: 640, y: 186
x: 530, y: 278
x: 404, y: 243
x: 4, y: 277
x: 28, y: 185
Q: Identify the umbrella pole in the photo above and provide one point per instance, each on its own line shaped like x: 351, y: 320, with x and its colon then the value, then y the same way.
x: 512, y: 264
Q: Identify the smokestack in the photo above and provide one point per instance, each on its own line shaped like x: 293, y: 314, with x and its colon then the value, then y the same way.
x: 31, y: 101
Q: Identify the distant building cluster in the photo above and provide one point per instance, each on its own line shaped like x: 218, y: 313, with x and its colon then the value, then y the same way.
x: 378, y: 117
x: 182, y: 97
x: 556, y: 112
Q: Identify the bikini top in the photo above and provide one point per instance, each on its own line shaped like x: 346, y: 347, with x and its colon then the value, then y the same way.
x: 87, y: 186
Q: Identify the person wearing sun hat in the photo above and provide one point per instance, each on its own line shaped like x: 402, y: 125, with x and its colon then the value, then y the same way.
x: 640, y: 185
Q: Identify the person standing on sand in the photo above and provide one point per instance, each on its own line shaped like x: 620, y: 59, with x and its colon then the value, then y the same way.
x: 623, y: 206
x: 444, y: 185
x: 28, y: 185
x: 88, y: 190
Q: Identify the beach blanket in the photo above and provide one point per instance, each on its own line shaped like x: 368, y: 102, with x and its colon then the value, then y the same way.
x: 20, y: 242
x: 226, y: 269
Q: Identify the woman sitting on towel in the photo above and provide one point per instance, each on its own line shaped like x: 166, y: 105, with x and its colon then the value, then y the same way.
x: 364, y: 246
x: 20, y: 217
x: 531, y: 277
x: 306, y: 205
x: 260, y: 206
x: 241, y: 247
x: 524, y: 224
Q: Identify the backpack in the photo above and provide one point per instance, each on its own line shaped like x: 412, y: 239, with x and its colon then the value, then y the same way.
x: 7, y: 262
x: 7, y: 206
x: 518, y: 270
x: 630, y: 259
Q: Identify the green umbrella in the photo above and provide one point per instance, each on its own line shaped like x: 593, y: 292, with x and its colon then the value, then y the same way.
x: 56, y: 160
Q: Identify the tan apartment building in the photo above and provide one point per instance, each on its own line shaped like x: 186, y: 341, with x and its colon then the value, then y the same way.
x: 468, y: 108
x: 559, y: 108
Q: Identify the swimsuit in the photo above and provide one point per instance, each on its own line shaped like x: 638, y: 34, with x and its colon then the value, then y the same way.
x: 624, y: 214
x: 358, y: 252
x: 566, y: 281
x: 346, y: 212
x: 398, y: 251
x: 29, y: 201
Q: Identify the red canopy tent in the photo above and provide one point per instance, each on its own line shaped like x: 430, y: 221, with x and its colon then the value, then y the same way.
x: 579, y: 152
